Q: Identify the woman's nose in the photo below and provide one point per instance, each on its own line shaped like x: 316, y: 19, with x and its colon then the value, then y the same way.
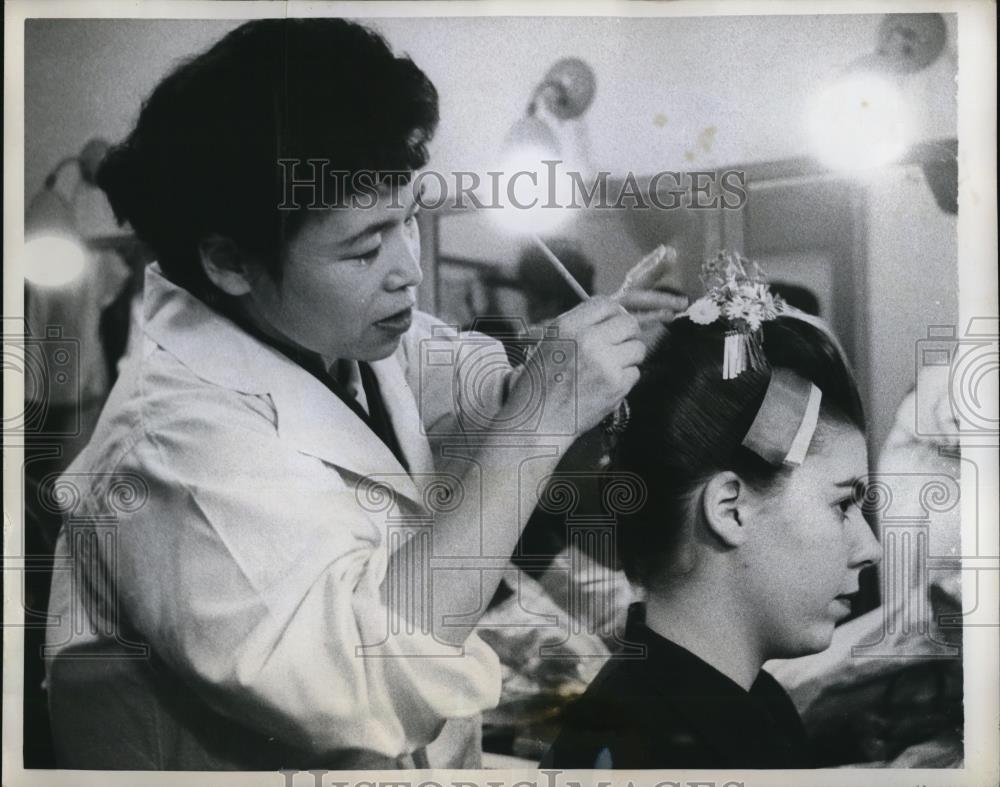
x: 405, y: 270
x: 867, y: 549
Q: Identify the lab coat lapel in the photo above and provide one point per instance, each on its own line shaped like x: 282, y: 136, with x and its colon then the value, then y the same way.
x: 310, y: 416
x: 318, y: 423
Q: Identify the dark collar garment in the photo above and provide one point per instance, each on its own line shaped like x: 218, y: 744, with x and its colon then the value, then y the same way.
x: 669, y: 709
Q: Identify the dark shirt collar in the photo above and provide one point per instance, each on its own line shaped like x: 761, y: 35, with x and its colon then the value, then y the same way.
x: 662, y: 651
x: 756, y: 726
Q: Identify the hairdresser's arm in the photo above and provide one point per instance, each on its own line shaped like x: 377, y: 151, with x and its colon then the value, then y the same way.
x: 604, y: 339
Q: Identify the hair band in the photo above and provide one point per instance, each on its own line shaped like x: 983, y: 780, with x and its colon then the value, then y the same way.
x: 786, y: 421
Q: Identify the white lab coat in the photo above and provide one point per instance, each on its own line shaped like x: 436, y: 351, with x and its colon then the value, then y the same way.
x: 221, y: 563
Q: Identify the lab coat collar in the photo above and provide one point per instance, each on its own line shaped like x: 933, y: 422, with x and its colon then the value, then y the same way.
x: 310, y: 416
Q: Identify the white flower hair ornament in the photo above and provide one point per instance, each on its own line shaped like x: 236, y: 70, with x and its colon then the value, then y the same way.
x: 736, y: 293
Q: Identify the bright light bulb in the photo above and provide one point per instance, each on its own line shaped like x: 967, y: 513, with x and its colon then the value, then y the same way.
x: 53, y: 260
x: 533, y: 196
x: 859, y: 122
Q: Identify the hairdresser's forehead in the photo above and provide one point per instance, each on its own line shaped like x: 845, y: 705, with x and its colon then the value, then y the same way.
x: 362, y: 216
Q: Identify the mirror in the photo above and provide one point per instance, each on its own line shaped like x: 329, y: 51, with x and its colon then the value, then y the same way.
x: 836, y: 245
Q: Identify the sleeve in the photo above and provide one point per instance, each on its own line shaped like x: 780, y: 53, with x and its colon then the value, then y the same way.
x: 253, y: 572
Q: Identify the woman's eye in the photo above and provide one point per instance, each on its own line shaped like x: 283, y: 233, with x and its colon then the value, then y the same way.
x: 844, y: 506
x: 368, y: 256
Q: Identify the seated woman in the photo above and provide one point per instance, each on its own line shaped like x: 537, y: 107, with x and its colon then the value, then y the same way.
x: 749, y: 544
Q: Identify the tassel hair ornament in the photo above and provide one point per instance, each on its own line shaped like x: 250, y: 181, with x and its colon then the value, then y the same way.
x: 736, y: 293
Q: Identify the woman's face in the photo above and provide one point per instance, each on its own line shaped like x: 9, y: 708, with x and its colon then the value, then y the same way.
x: 348, y: 283
x: 808, y: 545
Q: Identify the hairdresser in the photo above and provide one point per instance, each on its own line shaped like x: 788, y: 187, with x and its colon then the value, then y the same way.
x: 247, y: 611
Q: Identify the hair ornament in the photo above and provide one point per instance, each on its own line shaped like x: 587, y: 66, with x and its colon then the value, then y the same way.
x: 736, y: 293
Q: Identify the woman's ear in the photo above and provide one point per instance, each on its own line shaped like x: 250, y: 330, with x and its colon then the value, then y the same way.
x: 724, y: 503
x: 225, y: 265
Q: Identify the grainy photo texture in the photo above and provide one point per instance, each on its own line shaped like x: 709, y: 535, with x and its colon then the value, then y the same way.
x: 496, y: 392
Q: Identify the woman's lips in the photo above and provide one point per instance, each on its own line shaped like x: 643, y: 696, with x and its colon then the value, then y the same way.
x: 844, y: 601
x: 398, y: 322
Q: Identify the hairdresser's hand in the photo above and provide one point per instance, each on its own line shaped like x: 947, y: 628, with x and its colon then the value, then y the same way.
x: 646, y: 297
x: 654, y: 309
x: 603, y: 340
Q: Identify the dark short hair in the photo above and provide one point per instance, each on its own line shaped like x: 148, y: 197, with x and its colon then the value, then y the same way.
x: 688, y: 424
x: 203, y: 157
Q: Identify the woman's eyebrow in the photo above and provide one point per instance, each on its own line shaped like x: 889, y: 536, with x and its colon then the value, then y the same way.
x: 371, y: 229
x: 378, y: 226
